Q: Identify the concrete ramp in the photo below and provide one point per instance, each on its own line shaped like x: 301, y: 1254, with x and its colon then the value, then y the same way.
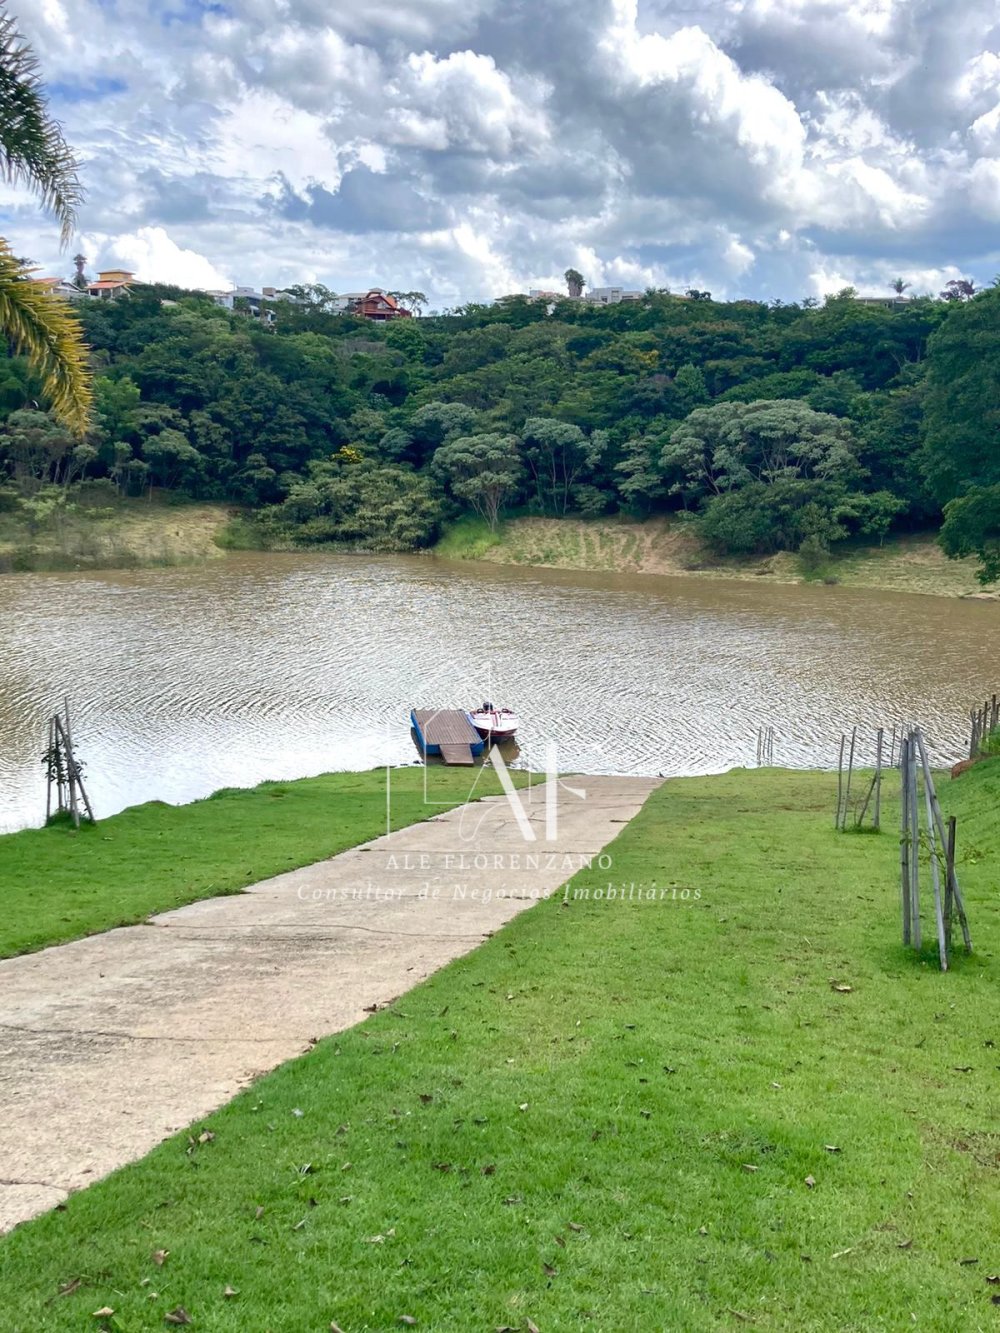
x: 111, y: 1043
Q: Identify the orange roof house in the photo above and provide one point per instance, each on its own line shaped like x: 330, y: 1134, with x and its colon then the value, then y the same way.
x: 111, y: 283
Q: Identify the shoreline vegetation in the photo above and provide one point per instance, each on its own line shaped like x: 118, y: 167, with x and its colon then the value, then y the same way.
x: 790, y: 439
x: 162, y: 533
x: 124, y: 534
x: 736, y: 1126
x: 670, y: 546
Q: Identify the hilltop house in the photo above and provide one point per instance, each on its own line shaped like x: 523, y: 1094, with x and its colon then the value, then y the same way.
x: 894, y: 302
x: 595, y: 296
x: 59, y: 287
x: 611, y: 295
x: 253, y: 302
x: 111, y: 284
x: 375, y: 304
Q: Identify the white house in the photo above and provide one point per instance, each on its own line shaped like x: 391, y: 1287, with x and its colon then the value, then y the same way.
x: 611, y: 295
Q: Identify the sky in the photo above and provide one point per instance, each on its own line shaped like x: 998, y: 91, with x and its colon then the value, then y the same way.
x: 771, y: 149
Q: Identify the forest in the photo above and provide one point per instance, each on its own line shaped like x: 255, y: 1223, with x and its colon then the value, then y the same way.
x: 779, y: 427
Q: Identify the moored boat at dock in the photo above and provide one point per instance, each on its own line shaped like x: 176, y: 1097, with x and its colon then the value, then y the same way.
x: 493, y: 723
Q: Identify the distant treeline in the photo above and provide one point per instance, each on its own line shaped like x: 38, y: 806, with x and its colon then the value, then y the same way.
x: 783, y: 427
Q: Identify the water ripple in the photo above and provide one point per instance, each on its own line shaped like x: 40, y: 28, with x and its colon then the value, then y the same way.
x: 278, y: 666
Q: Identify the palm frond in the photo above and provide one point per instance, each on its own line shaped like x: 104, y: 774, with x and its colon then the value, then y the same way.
x: 45, y: 330
x: 33, y: 151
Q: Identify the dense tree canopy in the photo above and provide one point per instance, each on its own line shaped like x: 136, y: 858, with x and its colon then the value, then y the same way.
x: 782, y: 427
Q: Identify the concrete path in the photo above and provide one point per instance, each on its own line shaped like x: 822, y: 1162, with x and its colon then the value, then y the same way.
x: 110, y: 1044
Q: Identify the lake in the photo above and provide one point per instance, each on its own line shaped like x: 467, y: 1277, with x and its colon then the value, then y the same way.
x: 278, y: 666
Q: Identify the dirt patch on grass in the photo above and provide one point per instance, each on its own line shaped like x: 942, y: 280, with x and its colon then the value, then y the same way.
x: 671, y: 546
x: 128, y: 534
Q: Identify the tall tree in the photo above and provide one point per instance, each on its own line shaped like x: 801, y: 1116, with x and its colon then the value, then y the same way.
x: 724, y: 447
x: 959, y: 289
x: 559, y: 457
x: 961, y: 428
x: 972, y: 527
x: 483, y: 470
x: 575, y: 282
x: 33, y: 153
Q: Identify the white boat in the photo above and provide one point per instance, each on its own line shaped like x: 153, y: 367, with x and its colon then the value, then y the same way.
x: 492, y: 723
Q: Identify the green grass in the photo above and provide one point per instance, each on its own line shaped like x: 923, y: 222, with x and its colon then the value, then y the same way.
x: 605, y: 1118
x: 242, y: 533
x: 59, y: 884
x: 467, y: 539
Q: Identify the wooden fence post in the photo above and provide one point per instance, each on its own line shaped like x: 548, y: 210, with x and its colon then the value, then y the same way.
x: 904, y: 837
x: 914, y: 813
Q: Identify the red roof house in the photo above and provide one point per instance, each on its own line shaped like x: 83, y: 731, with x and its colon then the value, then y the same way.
x: 378, y: 305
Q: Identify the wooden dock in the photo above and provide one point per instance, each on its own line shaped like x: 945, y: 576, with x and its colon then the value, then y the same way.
x: 446, y: 732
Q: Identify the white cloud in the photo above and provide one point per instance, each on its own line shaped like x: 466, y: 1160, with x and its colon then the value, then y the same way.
x: 737, y: 257
x: 479, y: 143
x: 462, y: 102
x: 152, y: 256
x: 985, y: 188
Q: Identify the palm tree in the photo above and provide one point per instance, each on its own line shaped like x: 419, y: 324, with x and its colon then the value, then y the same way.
x: 33, y: 153
x: 899, y: 286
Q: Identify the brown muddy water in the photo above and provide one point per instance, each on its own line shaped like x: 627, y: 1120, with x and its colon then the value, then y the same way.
x: 279, y: 666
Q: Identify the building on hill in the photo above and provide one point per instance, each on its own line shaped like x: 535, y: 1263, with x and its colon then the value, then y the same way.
x: 611, y: 295
x: 595, y: 296
x: 111, y: 284
x: 59, y: 287
x: 252, y: 302
x: 892, y: 302
x: 374, y: 304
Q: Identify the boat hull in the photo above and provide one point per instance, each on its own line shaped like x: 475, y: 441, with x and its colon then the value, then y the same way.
x: 500, y: 734
x: 495, y: 726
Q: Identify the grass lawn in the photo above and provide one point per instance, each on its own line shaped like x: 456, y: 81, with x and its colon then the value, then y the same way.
x: 58, y: 884
x: 637, y: 1115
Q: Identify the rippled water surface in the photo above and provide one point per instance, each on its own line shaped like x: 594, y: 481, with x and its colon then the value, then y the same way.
x: 261, y: 666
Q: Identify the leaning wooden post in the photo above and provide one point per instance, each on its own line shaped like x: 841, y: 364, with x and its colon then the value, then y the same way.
x: 938, y: 820
x: 49, y: 761
x: 877, y: 817
x: 77, y: 774
x: 72, y: 806
x: 850, y: 774
x: 904, y: 836
x: 840, y: 783
x: 949, y: 895
x: 932, y: 843
x: 914, y: 811
x: 74, y: 777
x: 62, y: 799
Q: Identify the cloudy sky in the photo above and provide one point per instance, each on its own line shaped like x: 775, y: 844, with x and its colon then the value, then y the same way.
x: 467, y: 148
